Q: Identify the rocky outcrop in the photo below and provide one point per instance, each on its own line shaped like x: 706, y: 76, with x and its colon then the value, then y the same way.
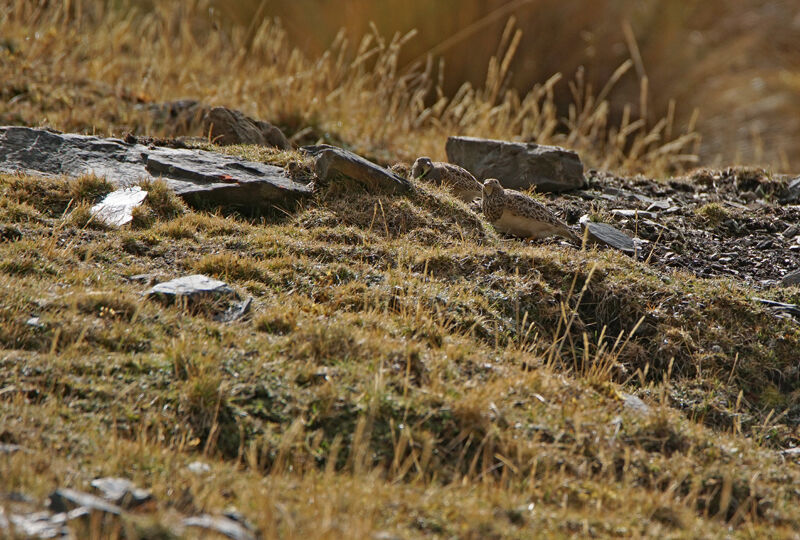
x: 518, y: 165
x: 204, y: 179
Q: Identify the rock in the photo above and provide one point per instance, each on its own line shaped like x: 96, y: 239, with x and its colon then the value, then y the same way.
x: 228, y: 126
x: 633, y: 403
x: 37, y: 524
x: 779, y: 307
x: 604, y: 233
x: 333, y: 162
x: 65, y: 499
x: 222, y: 525
x: 235, y: 311
x: 791, y: 194
x: 192, y: 287
x: 116, y: 208
x: 121, y: 491
x: 9, y: 233
x: 198, y: 467
x: 518, y: 165
x: 792, y: 278
x: 8, y: 448
x: 204, y: 179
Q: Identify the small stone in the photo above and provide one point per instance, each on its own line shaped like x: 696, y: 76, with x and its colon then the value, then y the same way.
x: 792, y: 278
x: 220, y: 524
x: 634, y: 404
x: 608, y: 235
x: 193, y: 286
x: 121, y: 491
x: 332, y: 163
x: 791, y: 194
x: 8, y: 448
x: 116, y: 209
x: 65, y: 499
x: 198, y: 467
x: 36, y: 322
x: 518, y: 165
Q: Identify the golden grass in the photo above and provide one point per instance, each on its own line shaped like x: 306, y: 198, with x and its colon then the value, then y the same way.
x: 355, y: 94
x: 390, y: 381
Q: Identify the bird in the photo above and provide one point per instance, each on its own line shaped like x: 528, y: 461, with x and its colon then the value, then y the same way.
x: 514, y: 213
x: 457, y: 179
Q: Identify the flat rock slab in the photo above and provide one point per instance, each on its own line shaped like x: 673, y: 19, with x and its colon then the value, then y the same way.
x: 65, y: 499
x: 332, y: 163
x: 518, y: 165
x: 605, y: 234
x: 117, y: 207
x: 121, y: 491
x: 196, y: 285
x: 202, y: 178
x: 221, y: 525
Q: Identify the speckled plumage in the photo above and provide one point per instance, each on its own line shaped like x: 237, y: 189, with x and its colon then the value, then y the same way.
x: 458, y: 180
x: 514, y: 213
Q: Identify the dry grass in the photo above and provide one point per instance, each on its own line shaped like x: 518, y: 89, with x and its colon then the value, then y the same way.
x: 391, y: 380
x: 355, y: 94
x: 404, y: 371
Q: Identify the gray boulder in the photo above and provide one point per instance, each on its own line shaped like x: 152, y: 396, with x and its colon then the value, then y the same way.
x: 518, y: 165
x: 605, y: 234
x: 228, y: 126
x: 332, y: 163
x: 203, y: 179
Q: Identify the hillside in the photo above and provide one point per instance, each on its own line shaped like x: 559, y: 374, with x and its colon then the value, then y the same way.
x: 404, y: 371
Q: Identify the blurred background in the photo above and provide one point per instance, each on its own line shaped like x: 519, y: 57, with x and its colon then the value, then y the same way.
x: 736, y: 61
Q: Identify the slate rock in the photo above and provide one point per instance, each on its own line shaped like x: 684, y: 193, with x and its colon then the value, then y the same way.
x: 37, y: 524
x: 204, y: 179
x: 792, y: 278
x: 116, y: 208
x: 191, y: 287
x: 632, y: 214
x: 791, y: 194
x: 779, y: 307
x: 518, y: 165
x: 65, y: 499
x: 228, y: 126
x: 121, y: 491
x: 220, y: 524
x: 633, y: 403
x: 605, y: 234
x: 333, y: 162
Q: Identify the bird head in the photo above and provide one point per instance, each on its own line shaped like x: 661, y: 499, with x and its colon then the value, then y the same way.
x: 492, y: 185
x: 421, y: 167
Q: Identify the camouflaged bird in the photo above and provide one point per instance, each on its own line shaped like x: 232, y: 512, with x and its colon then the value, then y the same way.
x: 458, y: 180
x: 512, y: 212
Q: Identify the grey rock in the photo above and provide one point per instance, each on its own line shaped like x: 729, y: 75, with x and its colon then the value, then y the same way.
x: 65, y: 499
x: 116, y: 208
x: 121, y: 491
x: 198, y: 467
x: 220, y: 524
x: 634, y: 403
x: 203, y: 179
x: 791, y: 194
x: 604, y: 233
x: 518, y: 165
x: 333, y: 162
x: 36, y: 524
x: 235, y: 311
x: 792, y: 278
x: 228, y: 126
x: 8, y: 448
x: 779, y: 307
x: 191, y: 287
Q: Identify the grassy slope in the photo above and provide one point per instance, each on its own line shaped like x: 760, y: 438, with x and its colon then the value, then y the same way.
x: 390, y: 342
x: 404, y: 369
